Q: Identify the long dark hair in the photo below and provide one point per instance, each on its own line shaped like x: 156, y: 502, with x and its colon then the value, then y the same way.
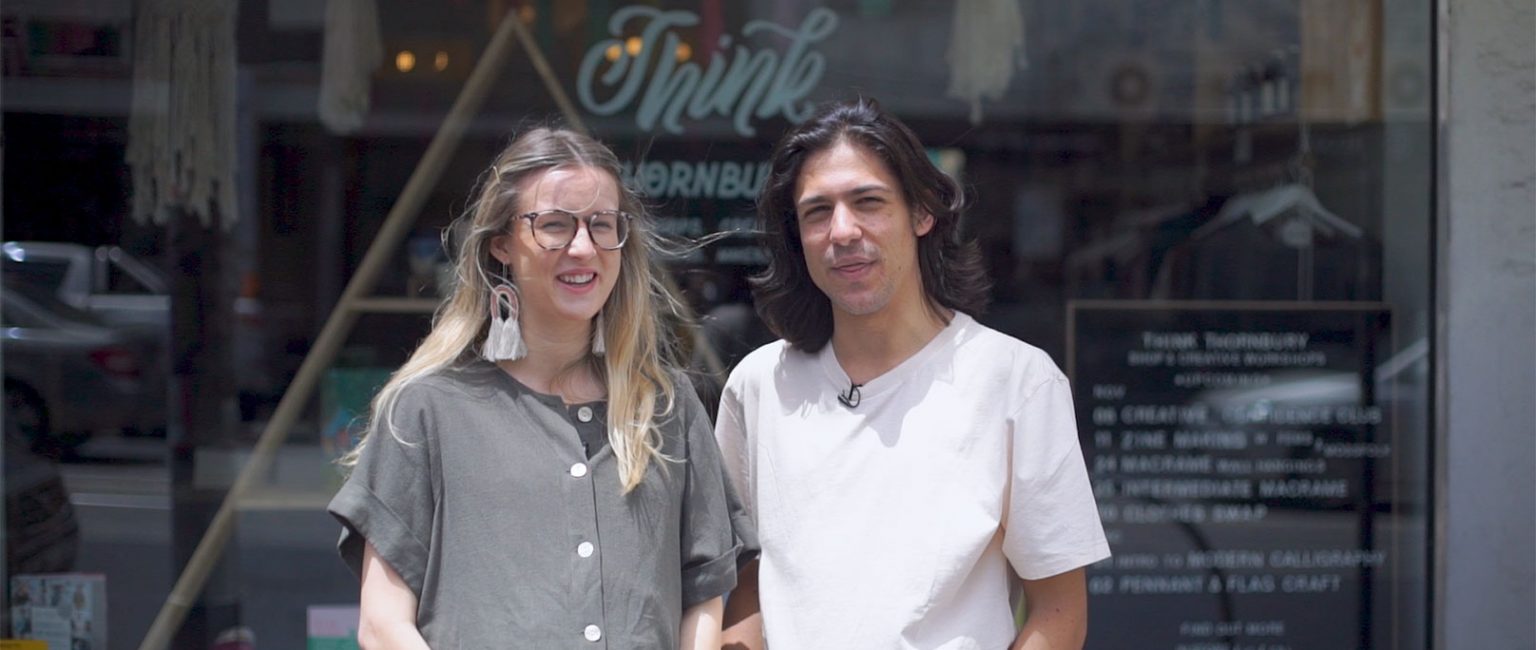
x: 951, y: 268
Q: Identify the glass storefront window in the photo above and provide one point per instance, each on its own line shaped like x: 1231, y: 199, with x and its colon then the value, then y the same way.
x: 1216, y: 216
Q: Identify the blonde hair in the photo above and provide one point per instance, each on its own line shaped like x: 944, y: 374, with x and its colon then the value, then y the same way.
x: 632, y: 366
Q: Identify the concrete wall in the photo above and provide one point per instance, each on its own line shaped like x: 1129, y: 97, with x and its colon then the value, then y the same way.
x: 1488, y: 316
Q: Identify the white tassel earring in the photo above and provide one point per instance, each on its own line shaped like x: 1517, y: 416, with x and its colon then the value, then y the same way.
x: 599, y: 346
x: 504, y: 340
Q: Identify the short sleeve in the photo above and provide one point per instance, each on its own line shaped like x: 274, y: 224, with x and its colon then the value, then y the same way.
x: 389, y: 500
x: 716, y: 533
x: 1052, y: 524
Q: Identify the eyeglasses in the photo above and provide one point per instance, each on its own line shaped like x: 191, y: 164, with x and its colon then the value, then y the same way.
x: 555, y: 229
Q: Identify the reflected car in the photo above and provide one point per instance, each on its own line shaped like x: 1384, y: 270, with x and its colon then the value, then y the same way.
x: 68, y: 373
x: 106, y: 280
x: 125, y: 291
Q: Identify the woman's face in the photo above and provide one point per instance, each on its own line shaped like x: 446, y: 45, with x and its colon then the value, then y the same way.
x: 566, y: 287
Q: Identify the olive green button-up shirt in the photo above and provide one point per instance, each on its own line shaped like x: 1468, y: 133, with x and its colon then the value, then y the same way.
x: 486, y: 502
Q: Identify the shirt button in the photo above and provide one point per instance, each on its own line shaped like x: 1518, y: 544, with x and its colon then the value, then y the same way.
x: 592, y: 633
x: 584, y: 549
x: 579, y: 470
x: 584, y: 414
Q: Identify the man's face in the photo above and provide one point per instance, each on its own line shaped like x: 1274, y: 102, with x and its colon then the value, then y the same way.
x: 858, y: 233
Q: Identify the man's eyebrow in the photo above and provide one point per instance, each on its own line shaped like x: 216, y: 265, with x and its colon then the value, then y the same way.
x: 862, y: 189
x: 814, y: 198
x: 871, y: 187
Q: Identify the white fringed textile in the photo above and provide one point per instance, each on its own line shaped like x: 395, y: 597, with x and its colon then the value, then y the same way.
x: 353, y: 50
x: 181, y: 135
x: 504, y: 338
x: 986, y: 44
x: 599, y: 342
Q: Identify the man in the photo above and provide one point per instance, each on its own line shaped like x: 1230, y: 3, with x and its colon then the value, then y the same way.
x: 902, y: 461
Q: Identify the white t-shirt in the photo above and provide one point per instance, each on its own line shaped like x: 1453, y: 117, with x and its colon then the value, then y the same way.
x: 893, y: 524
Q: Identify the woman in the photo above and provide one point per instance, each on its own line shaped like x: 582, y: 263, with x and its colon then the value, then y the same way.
x: 534, y: 475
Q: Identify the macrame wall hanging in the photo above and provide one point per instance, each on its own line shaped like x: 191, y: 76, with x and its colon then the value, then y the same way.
x: 181, y: 135
x: 986, y: 45
x: 353, y: 51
